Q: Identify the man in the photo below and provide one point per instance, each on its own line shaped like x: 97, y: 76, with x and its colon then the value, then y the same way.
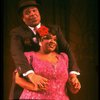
x: 23, y: 38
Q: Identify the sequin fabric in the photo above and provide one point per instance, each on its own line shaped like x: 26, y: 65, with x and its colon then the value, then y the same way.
x: 57, y: 73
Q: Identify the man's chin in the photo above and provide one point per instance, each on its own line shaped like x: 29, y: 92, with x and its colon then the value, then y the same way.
x: 35, y: 24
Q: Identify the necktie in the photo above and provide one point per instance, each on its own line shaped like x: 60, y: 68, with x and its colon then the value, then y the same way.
x: 35, y: 35
x: 34, y: 31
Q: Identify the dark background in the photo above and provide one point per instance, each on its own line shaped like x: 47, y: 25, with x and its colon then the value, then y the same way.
x: 79, y: 22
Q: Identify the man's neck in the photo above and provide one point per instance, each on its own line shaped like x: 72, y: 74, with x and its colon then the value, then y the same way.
x: 37, y: 26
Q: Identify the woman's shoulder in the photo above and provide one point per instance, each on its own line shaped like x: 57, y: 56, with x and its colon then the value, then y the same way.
x: 30, y: 53
x: 64, y: 55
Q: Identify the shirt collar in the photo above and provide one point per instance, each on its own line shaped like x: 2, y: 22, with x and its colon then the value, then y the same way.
x: 38, y: 26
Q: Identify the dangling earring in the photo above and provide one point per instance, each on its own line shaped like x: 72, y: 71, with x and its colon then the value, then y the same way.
x: 40, y: 44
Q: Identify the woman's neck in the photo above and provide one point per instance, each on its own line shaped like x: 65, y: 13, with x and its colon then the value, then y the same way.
x: 44, y: 52
x: 51, y: 56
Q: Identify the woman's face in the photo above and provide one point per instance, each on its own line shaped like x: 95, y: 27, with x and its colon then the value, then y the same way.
x: 48, y: 43
x: 31, y: 16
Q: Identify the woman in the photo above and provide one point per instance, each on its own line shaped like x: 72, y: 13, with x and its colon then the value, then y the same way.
x: 50, y: 65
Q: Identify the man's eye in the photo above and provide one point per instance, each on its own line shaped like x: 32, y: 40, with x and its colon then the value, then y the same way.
x: 27, y: 13
x: 34, y: 10
x: 55, y: 39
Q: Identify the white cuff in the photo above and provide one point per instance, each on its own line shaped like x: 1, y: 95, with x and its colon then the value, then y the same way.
x: 28, y: 72
x: 74, y: 72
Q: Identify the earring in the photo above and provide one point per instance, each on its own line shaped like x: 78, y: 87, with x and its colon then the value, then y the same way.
x: 40, y: 44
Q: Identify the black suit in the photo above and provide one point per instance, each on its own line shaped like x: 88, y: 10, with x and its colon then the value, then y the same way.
x: 21, y: 41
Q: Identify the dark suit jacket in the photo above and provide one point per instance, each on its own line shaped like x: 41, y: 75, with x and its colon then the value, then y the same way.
x: 21, y: 41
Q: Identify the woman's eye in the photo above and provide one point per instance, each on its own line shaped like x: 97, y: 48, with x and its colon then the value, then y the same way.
x: 46, y: 37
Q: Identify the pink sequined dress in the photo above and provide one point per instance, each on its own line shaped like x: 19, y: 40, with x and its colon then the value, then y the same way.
x: 56, y: 73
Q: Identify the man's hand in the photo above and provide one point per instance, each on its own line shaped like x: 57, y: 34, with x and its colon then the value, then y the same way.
x: 73, y: 83
x: 38, y: 80
x: 26, y: 84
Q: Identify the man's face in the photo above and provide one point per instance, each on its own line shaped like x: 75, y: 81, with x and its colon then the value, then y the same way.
x: 31, y: 16
x: 49, y: 43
